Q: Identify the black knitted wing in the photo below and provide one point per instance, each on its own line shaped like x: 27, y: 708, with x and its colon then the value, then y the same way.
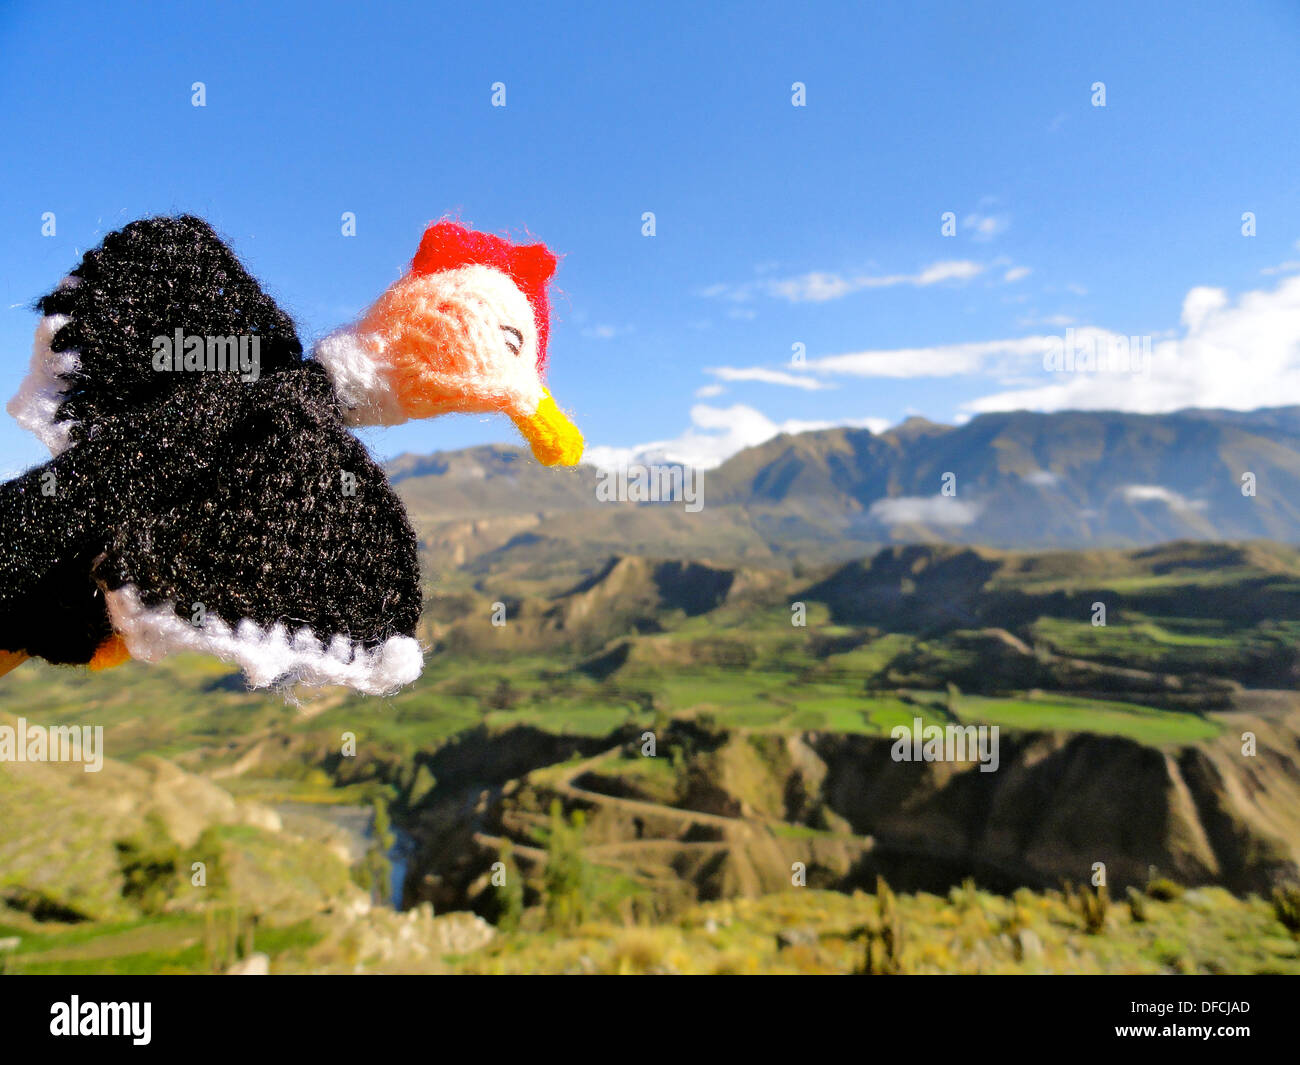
x: 50, y: 535
x: 289, y: 525
x: 57, y: 519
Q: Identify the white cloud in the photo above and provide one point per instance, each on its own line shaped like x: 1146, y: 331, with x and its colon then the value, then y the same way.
x: 814, y: 288
x: 771, y: 377
x: 820, y: 286
x: 1157, y: 493
x: 709, y: 391
x: 924, y: 510
x: 716, y: 433
x: 1288, y: 267
x: 985, y: 226
x: 605, y: 332
x: 726, y: 291
x: 1042, y: 479
x: 944, y: 360
x: 1017, y: 273
x: 1200, y: 303
x: 1236, y: 355
x: 954, y: 270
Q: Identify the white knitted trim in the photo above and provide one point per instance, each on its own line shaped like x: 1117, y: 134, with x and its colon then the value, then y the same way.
x: 42, y: 390
x: 267, y: 656
x: 354, y: 364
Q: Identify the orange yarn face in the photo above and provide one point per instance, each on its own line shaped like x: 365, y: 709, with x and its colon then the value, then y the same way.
x: 426, y: 347
x: 460, y: 340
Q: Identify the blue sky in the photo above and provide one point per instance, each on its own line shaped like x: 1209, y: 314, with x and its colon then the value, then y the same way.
x: 775, y: 225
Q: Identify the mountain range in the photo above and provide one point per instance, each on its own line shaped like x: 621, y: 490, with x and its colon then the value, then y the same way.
x: 1017, y: 480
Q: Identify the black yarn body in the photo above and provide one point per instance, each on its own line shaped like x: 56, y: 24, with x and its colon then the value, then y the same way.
x: 252, y: 499
x: 145, y: 280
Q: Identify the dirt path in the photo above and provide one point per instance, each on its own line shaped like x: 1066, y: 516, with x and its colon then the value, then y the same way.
x: 566, y: 787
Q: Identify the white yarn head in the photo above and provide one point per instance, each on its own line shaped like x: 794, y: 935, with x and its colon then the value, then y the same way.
x: 43, y: 390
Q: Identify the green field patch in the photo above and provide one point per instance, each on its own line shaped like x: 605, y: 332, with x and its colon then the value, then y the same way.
x: 1171, y: 645
x: 1067, y: 714
x: 715, y: 688
x: 869, y: 659
x: 762, y: 714
x: 166, y: 944
x: 653, y: 778
x: 565, y: 717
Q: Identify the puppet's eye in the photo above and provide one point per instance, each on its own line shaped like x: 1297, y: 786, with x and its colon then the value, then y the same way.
x: 514, y: 339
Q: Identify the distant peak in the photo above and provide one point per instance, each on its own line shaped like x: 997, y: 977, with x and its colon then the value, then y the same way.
x: 917, y: 426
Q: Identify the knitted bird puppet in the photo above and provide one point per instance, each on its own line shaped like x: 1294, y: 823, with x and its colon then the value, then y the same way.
x: 205, y: 492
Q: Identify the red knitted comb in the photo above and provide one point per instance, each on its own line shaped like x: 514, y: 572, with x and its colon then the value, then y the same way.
x: 449, y: 245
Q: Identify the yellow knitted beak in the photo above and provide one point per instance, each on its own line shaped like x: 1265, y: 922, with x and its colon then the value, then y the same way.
x: 555, y: 440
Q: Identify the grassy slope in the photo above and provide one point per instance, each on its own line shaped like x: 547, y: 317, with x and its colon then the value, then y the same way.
x: 742, y: 664
x: 1206, y: 931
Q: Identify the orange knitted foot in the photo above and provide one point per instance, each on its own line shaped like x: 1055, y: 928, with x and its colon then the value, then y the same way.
x: 11, y: 660
x: 112, y: 652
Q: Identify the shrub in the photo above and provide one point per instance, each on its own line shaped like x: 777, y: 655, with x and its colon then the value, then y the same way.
x: 567, y: 883
x: 509, y: 893
x: 1163, y: 889
x: 149, y: 865
x: 1137, y: 905
x: 1286, y: 907
x: 883, y: 954
x: 1093, y: 906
